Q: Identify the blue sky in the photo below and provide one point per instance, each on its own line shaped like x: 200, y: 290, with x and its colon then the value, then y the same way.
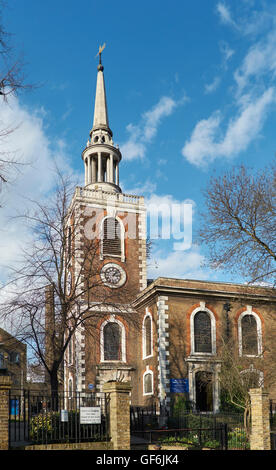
x: 190, y: 89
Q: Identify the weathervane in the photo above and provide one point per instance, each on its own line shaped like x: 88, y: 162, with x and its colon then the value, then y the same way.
x: 101, y: 48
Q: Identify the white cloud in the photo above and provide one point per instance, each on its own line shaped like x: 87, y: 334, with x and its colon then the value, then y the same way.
x: 206, y: 142
x: 180, y: 264
x: 225, y: 14
x: 148, y: 187
x: 211, y: 87
x: 260, y: 61
x: 226, y: 51
x: 143, y: 134
x: 30, y: 145
x: 249, y: 21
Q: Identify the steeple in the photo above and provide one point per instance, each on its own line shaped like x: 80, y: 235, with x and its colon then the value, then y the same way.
x: 100, y: 110
x: 101, y: 158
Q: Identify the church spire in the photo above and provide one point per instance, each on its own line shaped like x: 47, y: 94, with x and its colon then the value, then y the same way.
x: 101, y: 158
x: 100, y: 109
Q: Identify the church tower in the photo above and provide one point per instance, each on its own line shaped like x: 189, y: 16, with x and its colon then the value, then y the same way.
x: 105, y: 345
x: 101, y: 157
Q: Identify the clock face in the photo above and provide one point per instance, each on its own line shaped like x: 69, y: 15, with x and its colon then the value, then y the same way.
x: 113, y: 275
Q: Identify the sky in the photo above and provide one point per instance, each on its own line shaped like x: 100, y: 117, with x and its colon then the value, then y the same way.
x: 191, y: 90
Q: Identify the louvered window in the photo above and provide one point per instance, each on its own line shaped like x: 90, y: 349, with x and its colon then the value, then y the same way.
x: 111, y: 238
x: 202, y: 333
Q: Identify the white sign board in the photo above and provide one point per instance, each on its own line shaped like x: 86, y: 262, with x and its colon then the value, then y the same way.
x: 64, y: 416
x: 90, y: 415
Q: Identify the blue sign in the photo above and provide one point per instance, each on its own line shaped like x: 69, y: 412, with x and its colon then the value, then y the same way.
x: 90, y: 386
x: 14, y: 407
x: 179, y: 386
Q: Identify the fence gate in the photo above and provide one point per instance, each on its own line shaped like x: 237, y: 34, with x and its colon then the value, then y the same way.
x: 35, y: 418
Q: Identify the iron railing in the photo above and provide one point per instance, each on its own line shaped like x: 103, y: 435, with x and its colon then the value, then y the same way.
x: 37, y: 418
x: 191, y: 438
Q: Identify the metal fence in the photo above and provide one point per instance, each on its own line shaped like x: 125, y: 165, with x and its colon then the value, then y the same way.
x: 142, y: 417
x: 191, y: 438
x: 37, y: 418
x: 192, y: 429
x: 237, y: 437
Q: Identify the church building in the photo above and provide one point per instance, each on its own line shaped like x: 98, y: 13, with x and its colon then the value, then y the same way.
x: 164, y: 335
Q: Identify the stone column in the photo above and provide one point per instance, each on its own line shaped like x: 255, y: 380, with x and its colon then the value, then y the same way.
x: 100, y: 167
x: 89, y: 170
x: 119, y: 419
x: 107, y: 179
x: 85, y: 172
x: 260, y: 425
x: 117, y: 173
x: 111, y: 169
x: 5, y: 385
x: 94, y: 170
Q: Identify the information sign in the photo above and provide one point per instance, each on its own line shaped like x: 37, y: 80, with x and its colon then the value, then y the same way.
x: 90, y: 415
x: 179, y: 386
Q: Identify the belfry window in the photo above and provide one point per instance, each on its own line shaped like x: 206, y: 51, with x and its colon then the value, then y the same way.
x: 112, y: 338
x: 112, y: 238
x: 202, y: 333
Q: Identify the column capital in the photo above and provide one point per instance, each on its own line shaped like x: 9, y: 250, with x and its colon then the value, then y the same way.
x: 122, y: 387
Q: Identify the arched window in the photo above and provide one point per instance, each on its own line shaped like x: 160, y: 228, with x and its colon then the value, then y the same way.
x: 147, y: 336
x: 250, y: 333
x: 112, y: 238
x: 148, y: 382
x: 202, y: 333
x: 112, y: 342
x: 203, y: 330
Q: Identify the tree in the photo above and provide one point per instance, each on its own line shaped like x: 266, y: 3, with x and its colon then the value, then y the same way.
x: 57, y: 286
x: 12, y: 81
x: 239, y: 223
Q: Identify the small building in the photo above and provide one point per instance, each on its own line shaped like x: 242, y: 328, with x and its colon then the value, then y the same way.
x: 13, y: 360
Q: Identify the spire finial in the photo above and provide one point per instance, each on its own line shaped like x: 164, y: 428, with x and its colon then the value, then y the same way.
x: 101, y: 48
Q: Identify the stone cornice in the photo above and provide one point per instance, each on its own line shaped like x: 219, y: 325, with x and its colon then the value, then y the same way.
x: 178, y: 287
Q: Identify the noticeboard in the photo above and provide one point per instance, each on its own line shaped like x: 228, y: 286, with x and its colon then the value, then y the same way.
x: 90, y: 415
x: 179, y: 385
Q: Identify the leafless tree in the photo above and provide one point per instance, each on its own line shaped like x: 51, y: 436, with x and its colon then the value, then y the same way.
x: 239, y: 223
x: 55, y: 266
x: 12, y: 81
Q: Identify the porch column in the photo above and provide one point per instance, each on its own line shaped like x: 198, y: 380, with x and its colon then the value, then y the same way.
x: 260, y: 424
x: 119, y: 394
